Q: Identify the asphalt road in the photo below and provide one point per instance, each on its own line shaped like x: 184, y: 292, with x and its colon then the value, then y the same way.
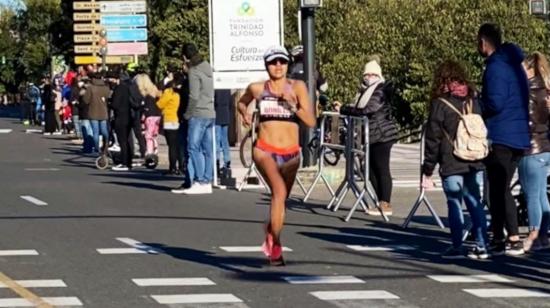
x: 105, y: 239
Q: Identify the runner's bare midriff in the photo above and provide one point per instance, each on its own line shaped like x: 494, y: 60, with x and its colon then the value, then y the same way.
x: 279, y: 134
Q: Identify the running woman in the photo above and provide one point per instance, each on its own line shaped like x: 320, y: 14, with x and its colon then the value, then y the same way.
x: 282, y: 103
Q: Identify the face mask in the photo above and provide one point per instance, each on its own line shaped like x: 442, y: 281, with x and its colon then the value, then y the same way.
x: 369, y: 81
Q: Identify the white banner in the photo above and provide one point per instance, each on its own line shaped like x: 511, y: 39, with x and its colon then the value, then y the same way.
x: 240, y: 32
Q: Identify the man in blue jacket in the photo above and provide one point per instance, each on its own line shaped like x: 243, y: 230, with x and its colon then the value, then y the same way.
x: 505, y: 100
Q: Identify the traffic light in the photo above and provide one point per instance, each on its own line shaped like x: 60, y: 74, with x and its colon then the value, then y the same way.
x: 103, y: 42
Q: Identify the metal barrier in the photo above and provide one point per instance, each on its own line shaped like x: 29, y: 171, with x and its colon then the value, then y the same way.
x: 351, y: 149
x: 422, y: 198
x: 322, y: 150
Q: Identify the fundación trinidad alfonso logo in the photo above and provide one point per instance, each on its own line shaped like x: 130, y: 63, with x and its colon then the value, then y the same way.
x: 246, y: 9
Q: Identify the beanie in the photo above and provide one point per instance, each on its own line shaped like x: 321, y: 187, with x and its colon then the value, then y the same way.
x: 373, y: 67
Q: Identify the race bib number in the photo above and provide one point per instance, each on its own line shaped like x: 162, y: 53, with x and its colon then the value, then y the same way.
x: 274, y: 108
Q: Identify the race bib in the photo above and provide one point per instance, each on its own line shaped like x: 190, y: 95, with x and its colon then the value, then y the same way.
x: 275, y: 108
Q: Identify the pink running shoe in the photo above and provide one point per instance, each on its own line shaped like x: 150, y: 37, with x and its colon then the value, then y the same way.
x: 267, y: 246
x: 276, y: 258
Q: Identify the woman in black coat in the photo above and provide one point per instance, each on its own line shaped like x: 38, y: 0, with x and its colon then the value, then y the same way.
x: 371, y: 101
x: 49, y: 108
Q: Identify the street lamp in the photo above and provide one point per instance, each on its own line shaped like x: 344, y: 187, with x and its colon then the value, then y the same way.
x: 307, y: 12
x: 538, y: 8
x: 311, y: 3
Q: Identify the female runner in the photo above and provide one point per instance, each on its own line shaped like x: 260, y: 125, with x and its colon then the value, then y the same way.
x: 281, y: 103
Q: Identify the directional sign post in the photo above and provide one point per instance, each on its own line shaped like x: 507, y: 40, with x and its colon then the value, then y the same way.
x: 123, y: 7
x: 139, y: 20
x: 126, y: 35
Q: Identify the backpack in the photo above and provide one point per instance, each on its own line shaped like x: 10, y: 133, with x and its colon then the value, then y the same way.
x: 470, y: 142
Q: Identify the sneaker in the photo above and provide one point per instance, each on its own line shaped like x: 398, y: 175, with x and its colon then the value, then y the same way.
x: 514, y: 248
x: 198, y: 189
x: 120, y: 167
x: 478, y: 253
x: 276, y: 258
x: 497, y: 248
x: 180, y: 190
x: 453, y: 253
x: 114, y: 148
x: 56, y: 133
x: 384, y: 206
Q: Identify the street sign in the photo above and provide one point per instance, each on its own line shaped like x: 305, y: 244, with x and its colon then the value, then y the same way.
x: 86, y: 27
x: 85, y: 16
x: 86, y: 49
x: 85, y: 5
x: 126, y: 35
x: 123, y: 7
x: 85, y: 38
x: 108, y: 59
x: 139, y: 48
x: 139, y: 20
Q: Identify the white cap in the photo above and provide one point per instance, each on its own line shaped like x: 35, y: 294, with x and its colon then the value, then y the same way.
x: 373, y: 68
x: 275, y: 52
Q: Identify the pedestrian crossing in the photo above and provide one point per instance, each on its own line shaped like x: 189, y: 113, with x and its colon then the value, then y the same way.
x: 30, y: 299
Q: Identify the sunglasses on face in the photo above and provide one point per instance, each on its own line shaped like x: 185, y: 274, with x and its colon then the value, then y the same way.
x: 277, y: 61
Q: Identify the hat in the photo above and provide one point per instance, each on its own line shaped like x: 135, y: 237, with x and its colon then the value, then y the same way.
x: 373, y: 67
x: 275, y: 52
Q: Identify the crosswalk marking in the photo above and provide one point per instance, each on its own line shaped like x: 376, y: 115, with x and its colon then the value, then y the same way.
x: 322, y: 279
x: 380, y: 248
x: 42, y: 169
x: 468, y: 278
x: 137, y: 248
x: 23, y: 252
x: 247, y: 248
x: 196, y: 299
x: 149, y: 282
x: 504, y: 293
x: 54, y: 301
x: 5, y: 131
x: 38, y: 283
x: 349, y: 295
x: 33, y: 131
x: 34, y: 200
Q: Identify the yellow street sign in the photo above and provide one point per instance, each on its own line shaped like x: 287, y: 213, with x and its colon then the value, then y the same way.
x: 86, y: 27
x: 108, y: 60
x: 86, y: 16
x: 81, y: 5
x: 86, y: 49
x: 86, y: 60
x: 85, y: 38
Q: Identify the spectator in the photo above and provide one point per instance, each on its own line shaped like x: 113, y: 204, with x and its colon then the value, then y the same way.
x: 49, y: 108
x: 462, y: 180
x: 136, y: 102
x: 371, y: 101
x: 83, y: 110
x: 168, y: 104
x: 201, y: 116
x: 96, y: 97
x: 222, y: 104
x: 505, y: 101
x: 151, y: 112
x: 120, y: 103
x: 533, y: 167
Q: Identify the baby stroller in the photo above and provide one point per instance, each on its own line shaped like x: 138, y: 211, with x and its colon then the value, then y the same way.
x: 109, y: 156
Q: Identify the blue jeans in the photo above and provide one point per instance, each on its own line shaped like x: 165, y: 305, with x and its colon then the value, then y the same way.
x: 100, y: 127
x: 200, y: 148
x: 183, y: 134
x: 533, y: 170
x: 465, y: 187
x: 77, y: 129
x: 222, y: 144
x: 87, y: 136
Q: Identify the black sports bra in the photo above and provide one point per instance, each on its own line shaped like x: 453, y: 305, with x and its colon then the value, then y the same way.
x: 274, y: 108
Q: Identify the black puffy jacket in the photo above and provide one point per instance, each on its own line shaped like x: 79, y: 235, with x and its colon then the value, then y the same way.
x: 382, y: 127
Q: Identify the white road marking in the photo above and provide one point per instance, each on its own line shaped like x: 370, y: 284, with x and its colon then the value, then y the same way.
x: 380, y: 248
x: 322, y: 279
x: 468, y: 278
x: 120, y: 251
x: 137, y: 248
x: 247, y: 248
x: 25, y: 252
x: 348, y: 295
x: 54, y: 301
x: 33, y: 131
x: 502, y: 293
x: 150, y: 282
x: 43, y: 283
x: 5, y: 131
x: 196, y: 299
x: 33, y: 200
x: 42, y: 169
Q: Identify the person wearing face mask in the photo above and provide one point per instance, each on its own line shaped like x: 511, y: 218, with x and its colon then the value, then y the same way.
x: 371, y: 101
